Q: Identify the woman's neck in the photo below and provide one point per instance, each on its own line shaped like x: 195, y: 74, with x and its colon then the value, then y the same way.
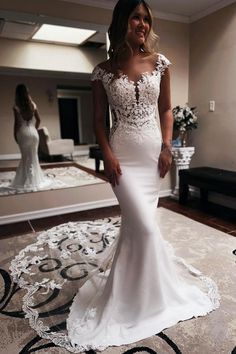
x: 136, y: 51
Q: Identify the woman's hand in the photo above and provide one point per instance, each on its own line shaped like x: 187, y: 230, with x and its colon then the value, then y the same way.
x: 164, y: 162
x: 112, y: 170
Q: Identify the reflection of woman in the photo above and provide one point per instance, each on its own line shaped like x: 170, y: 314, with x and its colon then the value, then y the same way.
x: 142, y: 294
x: 29, y: 174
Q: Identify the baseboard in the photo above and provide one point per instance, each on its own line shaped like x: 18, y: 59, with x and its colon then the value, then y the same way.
x: 165, y: 193
x: 10, y: 157
x: 82, y: 152
x: 8, y: 219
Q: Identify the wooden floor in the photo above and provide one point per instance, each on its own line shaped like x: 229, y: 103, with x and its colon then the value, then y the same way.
x: 221, y: 218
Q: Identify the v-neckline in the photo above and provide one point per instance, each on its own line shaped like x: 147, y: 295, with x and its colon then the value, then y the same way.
x: 140, y: 79
x: 141, y: 75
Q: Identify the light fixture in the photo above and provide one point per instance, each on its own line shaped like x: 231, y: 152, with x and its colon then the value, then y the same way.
x: 62, y: 34
x: 49, y: 94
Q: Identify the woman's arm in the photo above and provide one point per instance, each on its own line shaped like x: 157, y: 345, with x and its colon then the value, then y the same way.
x: 37, y: 117
x: 16, y: 124
x: 166, y: 120
x: 111, y: 164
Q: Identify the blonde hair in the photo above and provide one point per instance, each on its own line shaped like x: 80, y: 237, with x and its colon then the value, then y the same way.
x: 23, y: 100
x: 120, y: 49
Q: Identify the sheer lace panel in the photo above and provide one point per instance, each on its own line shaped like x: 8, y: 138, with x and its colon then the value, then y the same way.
x: 128, y: 101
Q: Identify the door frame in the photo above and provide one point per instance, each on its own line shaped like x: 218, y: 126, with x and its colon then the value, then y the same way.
x: 73, y: 94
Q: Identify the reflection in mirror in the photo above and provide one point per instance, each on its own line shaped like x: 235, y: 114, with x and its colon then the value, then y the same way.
x: 65, y: 175
x: 76, y: 131
x: 62, y: 92
x: 75, y: 112
x: 29, y: 175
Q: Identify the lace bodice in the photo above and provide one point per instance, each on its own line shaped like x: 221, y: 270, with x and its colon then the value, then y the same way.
x: 24, y: 121
x: 133, y: 104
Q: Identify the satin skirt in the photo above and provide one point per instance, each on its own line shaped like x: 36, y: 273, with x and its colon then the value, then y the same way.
x: 147, y: 287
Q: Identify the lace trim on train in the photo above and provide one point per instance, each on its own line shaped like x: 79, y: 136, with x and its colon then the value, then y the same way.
x: 210, y: 285
x: 213, y: 292
x: 92, y: 245
x: 89, y: 244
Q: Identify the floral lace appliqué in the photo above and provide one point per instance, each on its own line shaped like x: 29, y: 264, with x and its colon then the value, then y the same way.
x: 133, y: 104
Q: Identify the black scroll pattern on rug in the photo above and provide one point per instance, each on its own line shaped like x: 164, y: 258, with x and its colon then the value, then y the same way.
x: 53, y: 307
x: 36, y: 344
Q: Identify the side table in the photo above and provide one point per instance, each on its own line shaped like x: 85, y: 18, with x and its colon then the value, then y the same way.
x: 182, y: 157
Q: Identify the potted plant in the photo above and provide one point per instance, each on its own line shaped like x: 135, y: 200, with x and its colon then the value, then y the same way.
x: 185, y: 119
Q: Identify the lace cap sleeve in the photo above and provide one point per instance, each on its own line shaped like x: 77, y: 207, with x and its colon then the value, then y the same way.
x: 97, y: 73
x: 162, y: 63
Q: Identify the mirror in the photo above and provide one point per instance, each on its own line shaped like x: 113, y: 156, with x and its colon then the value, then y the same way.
x: 58, y: 78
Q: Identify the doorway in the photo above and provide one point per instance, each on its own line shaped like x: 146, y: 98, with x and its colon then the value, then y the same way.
x: 68, y: 112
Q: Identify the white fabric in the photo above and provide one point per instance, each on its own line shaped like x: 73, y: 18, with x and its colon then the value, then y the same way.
x: 128, y: 287
x: 28, y: 174
x: 144, y: 292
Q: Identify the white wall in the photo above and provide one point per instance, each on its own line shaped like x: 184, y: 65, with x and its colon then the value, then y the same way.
x: 213, y: 77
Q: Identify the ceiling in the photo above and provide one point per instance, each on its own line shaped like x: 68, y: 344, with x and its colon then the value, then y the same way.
x: 19, y: 27
x: 185, y: 10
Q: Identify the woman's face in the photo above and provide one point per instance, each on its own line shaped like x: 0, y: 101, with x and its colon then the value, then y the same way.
x: 138, y: 26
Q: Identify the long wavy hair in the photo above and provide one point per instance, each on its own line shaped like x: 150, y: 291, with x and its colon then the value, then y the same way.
x: 120, y: 49
x: 23, y: 99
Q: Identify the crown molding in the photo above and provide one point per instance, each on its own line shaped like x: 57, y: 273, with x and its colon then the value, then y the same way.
x: 160, y: 15
x: 93, y: 3
x: 171, y: 17
x: 110, y: 6
x: 11, y: 15
x: 220, y: 5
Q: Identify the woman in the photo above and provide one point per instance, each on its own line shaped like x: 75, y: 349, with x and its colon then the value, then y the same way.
x: 133, y: 287
x: 143, y: 294
x: 29, y: 175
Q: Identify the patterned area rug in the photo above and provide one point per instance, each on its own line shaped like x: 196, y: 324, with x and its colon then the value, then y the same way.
x: 57, y: 178
x: 209, y: 250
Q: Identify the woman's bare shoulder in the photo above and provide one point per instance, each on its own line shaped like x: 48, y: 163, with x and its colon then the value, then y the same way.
x: 155, y: 56
x: 151, y: 57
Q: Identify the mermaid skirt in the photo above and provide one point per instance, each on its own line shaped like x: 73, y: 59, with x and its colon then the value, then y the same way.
x: 144, y: 291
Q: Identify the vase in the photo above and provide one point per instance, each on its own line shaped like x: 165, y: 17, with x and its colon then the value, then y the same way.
x: 183, y: 138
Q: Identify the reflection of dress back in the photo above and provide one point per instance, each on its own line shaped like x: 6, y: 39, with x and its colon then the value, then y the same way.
x: 27, y: 134
x: 24, y: 118
x: 29, y: 174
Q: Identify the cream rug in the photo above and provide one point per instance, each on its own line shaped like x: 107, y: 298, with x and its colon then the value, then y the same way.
x: 57, y: 178
x: 209, y: 250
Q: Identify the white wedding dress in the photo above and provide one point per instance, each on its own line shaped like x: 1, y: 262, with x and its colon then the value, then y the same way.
x: 29, y: 175
x: 128, y: 283
x: 143, y: 293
